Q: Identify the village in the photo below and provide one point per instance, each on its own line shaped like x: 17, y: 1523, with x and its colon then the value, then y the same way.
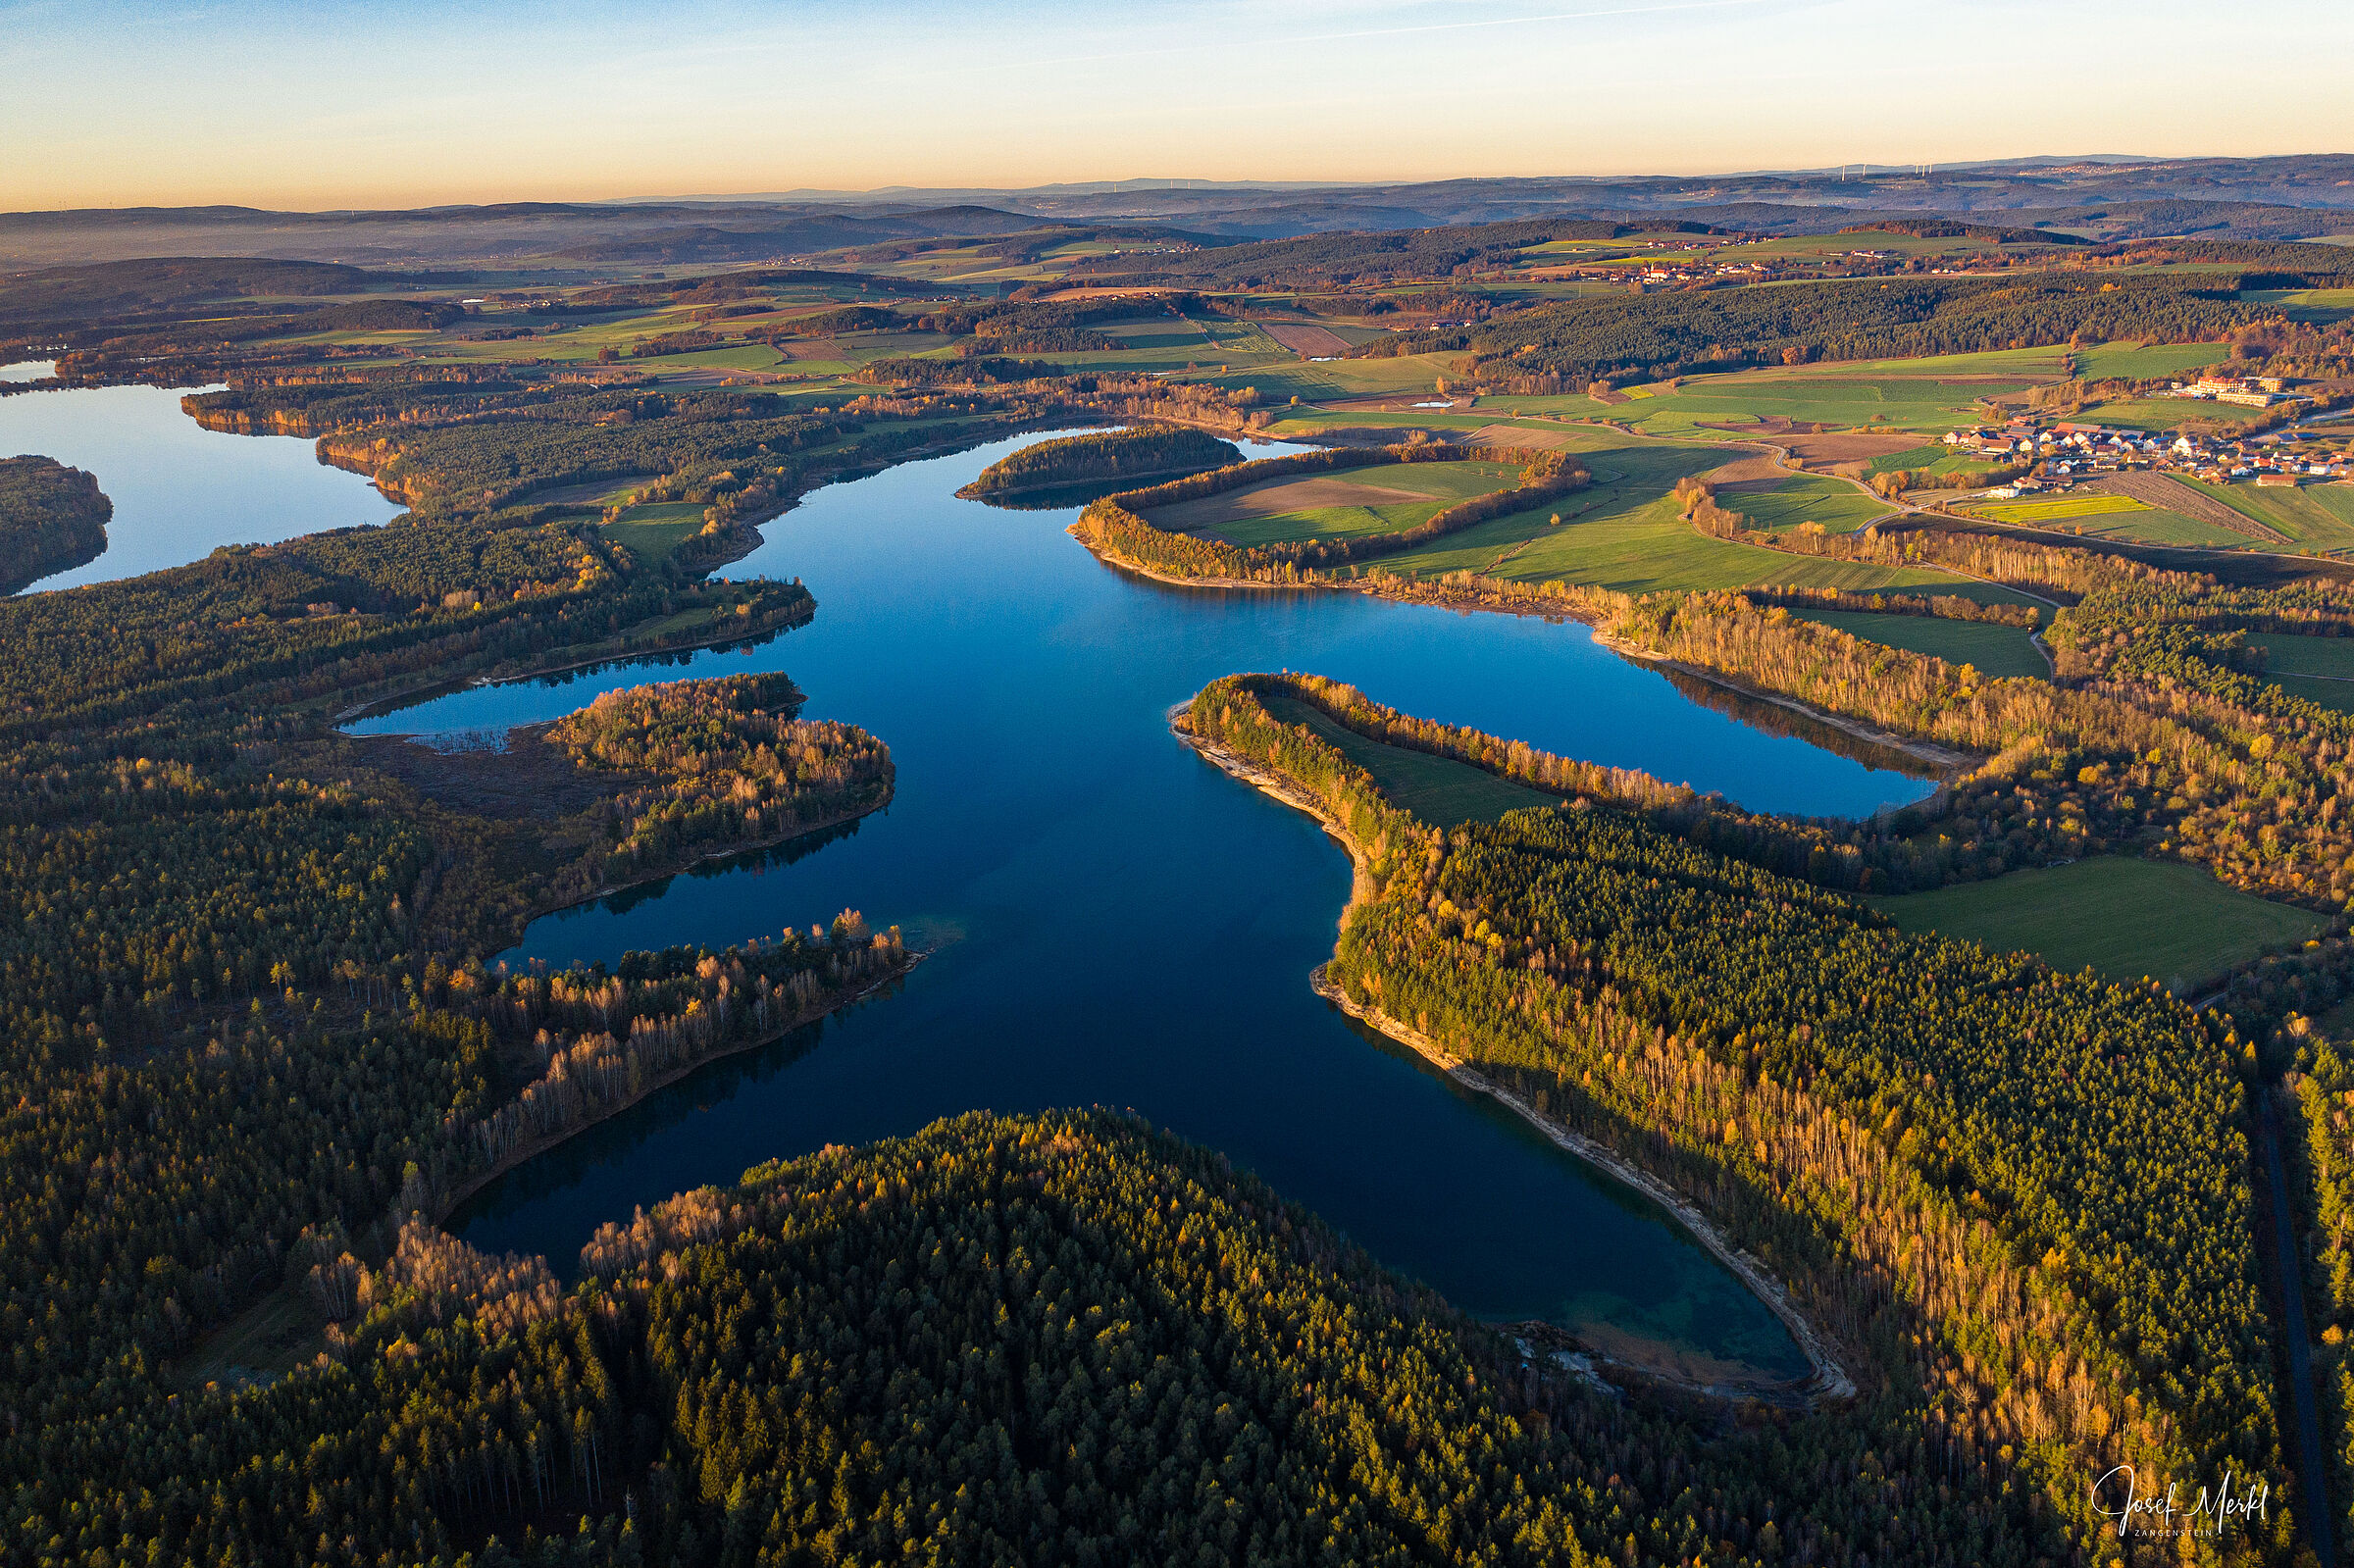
x: 2057, y: 454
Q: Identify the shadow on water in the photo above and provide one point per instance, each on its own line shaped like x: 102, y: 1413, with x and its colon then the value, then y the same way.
x: 1112, y: 921
x: 1775, y: 719
x: 751, y: 863
x: 1064, y: 497
x: 179, y: 491
x: 394, y: 715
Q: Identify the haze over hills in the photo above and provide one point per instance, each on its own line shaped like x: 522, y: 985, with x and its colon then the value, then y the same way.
x: 2099, y: 198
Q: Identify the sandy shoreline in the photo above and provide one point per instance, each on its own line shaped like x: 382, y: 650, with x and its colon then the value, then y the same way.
x: 1828, y: 1381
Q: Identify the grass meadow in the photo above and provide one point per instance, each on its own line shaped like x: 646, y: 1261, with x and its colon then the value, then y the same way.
x: 1439, y: 789
x: 1994, y: 650
x: 2124, y: 918
x: 1348, y: 504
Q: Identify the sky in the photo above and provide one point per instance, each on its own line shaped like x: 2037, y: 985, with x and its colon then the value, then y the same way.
x: 330, y: 104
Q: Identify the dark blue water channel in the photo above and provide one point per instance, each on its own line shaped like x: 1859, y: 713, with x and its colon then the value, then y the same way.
x: 1114, y: 921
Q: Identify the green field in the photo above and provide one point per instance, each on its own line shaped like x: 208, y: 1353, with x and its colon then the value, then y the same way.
x: 654, y: 530
x: 2165, y: 413
x: 1995, y: 650
x: 1438, y: 789
x: 1837, y: 505
x: 2335, y: 695
x: 1910, y: 399
x: 1917, y: 457
x: 1437, y: 486
x: 2321, y: 670
x: 2155, y: 526
x: 2059, y: 509
x: 1332, y: 379
x: 2139, y: 362
x: 2126, y: 918
x: 2316, y: 518
x: 1625, y: 531
x: 2097, y: 515
x: 2309, y: 656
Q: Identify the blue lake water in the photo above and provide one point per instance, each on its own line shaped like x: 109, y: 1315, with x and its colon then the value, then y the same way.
x: 178, y: 489
x: 1114, y: 921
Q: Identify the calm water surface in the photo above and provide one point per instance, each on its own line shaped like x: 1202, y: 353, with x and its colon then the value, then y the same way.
x: 178, y: 489
x: 1116, y: 921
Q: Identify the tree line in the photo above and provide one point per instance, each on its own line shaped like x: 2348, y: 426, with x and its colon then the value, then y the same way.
x: 52, y: 518
x: 2021, y: 1193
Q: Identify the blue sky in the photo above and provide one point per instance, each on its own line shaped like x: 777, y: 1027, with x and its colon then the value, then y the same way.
x: 334, y: 104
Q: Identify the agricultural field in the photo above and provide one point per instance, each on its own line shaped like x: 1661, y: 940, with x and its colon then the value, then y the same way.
x: 1837, y: 505
x: 2314, y: 518
x: 2321, y: 306
x: 1346, y: 504
x: 2321, y: 670
x: 1766, y: 403
x: 1827, y: 247
x: 2098, y: 515
x: 1438, y: 789
x: 1934, y: 458
x: 2039, y: 512
x: 2166, y: 413
x: 1993, y: 651
x: 1339, y: 380
x: 2124, y: 918
x: 2327, y: 657
x: 653, y: 530
x: 1625, y: 531
x: 2146, y: 361
x: 2335, y: 695
x: 1161, y: 343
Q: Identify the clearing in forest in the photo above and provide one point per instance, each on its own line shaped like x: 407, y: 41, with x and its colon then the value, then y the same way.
x: 1990, y: 647
x: 2126, y: 918
x: 1384, y: 499
x: 1441, y: 791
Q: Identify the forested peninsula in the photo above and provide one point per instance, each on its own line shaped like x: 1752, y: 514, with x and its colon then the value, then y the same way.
x: 1114, y: 455
x: 1639, y: 991
x: 52, y: 519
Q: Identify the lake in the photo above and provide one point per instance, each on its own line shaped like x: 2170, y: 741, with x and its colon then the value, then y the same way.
x: 178, y: 489
x: 1112, y: 920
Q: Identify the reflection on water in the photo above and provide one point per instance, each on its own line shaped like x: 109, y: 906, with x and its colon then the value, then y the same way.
x: 1777, y: 720
x: 179, y: 491
x: 1110, y: 920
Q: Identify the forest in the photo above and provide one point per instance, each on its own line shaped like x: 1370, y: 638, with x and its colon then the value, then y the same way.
x: 1119, y: 528
x: 211, y: 903
x: 52, y: 518
x: 1323, y: 261
x: 1145, y: 453
x: 1953, y: 1153
x: 1567, y: 345
x: 1059, y: 1338
x: 256, y: 1051
x: 727, y: 766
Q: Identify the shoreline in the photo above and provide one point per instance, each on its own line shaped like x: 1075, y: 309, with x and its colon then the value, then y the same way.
x: 450, y: 684
x: 1944, y: 758
x: 1946, y: 761
x: 735, y: 544
x: 1829, y: 1380
x: 753, y: 847
x: 523, y: 1153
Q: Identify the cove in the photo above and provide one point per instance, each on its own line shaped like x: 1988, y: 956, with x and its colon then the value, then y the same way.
x: 1116, y: 921
x: 179, y: 491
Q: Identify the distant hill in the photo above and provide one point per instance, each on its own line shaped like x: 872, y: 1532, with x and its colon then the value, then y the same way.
x: 2105, y: 198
